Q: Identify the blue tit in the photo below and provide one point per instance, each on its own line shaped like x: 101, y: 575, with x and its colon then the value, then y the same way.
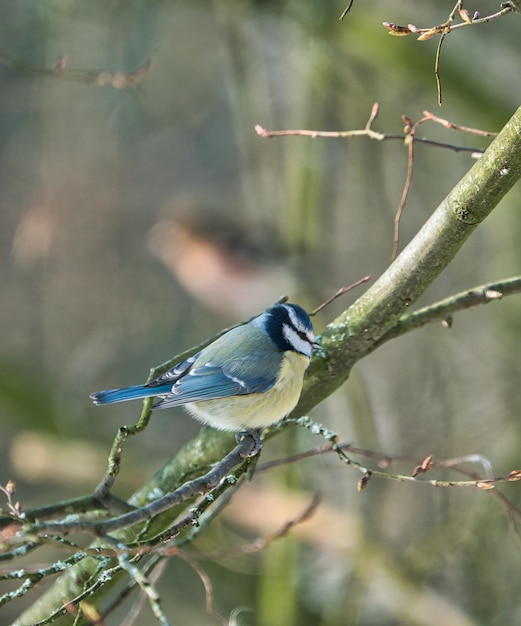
x: 248, y: 378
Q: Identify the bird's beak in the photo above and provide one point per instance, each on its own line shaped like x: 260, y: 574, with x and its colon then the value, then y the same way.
x: 316, y: 346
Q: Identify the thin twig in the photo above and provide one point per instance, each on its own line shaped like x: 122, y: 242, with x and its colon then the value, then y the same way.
x: 207, y: 584
x: 437, y: 68
x: 153, y: 570
x: 428, y: 116
x: 371, y: 134
x: 60, y: 71
x: 338, y: 293
x: 331, y: 438
x: 405, y: 191
x: 346, y: 10
x: 409, y: 137
x: 261, y: 543
x: 410, y: 134
x: 447, y: 27
x: 144, y: 583
x: 423, y: 34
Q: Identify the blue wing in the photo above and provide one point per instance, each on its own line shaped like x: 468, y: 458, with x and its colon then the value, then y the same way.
x: 233, y: 377
x: 209, y: 381
x: 206, y: 376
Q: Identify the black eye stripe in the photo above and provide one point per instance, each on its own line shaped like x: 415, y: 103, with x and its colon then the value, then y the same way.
x: 302, y: 334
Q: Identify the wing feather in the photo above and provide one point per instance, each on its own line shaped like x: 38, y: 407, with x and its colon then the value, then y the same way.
x: 214, y: 380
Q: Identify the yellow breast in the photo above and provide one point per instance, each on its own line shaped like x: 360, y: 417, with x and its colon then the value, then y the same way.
x: 256, y: 410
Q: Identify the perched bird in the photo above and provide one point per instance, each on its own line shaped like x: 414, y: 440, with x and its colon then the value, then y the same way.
x: 248, y: 378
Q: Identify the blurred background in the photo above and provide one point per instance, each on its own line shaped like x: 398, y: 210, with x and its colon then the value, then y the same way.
x: 141, y: 213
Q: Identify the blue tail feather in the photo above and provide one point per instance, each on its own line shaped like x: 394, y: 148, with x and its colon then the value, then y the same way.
x: 129, y: 393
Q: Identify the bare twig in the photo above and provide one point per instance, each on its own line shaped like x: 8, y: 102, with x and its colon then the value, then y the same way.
x: 384, y: 460
x: 437, y: 68
x: 410, y: 133
x: 262, y: 543
x: 60, y: 71
x: 428, y: 116
x: 207, y: 584
x: 408, y: 137
x: 346, y: 10
x: 338, y: 293
x: 411, y: 130
x: 367, y: 131
x: 446, y: 28
x: 145, y: 585
x: 331, y: 438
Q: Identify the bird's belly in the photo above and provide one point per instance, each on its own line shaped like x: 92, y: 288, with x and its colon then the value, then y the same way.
x: 255, y: 410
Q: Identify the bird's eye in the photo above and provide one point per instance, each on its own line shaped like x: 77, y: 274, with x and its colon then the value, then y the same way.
x: 303, y: 335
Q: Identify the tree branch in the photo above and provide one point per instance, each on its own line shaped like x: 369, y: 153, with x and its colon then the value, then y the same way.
x: 355, y: 332
x: 444, y: 309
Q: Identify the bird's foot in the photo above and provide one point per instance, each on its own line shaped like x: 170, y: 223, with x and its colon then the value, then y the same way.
x: 255, y: 434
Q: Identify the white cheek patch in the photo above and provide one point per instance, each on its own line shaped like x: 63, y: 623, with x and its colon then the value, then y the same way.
x: 299, y: 344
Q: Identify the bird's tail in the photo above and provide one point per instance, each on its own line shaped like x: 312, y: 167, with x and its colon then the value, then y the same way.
x: 129, y: 393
